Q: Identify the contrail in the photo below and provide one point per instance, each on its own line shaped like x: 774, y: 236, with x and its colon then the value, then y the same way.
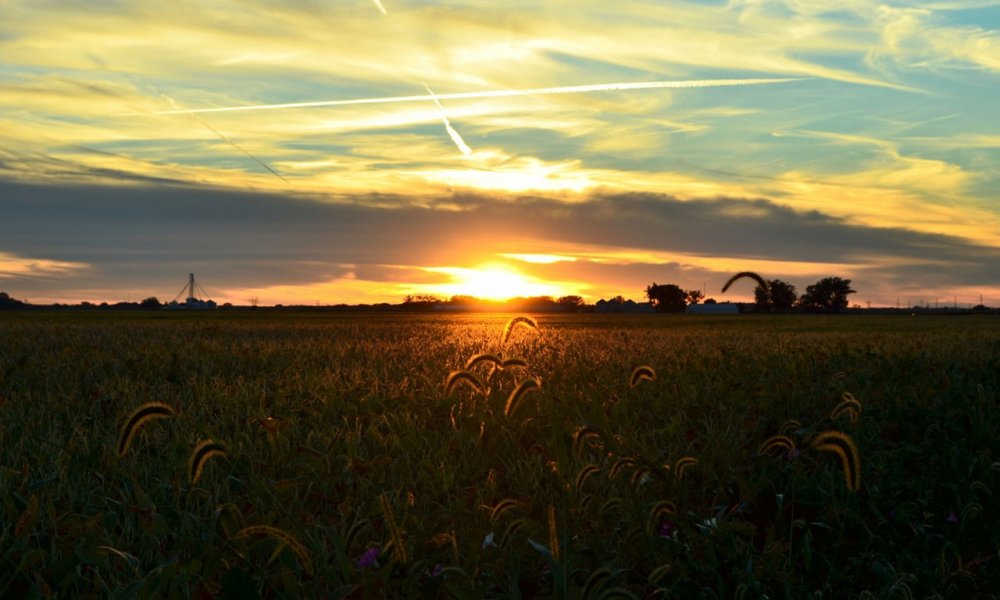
x: 378, y: 3
x: 222, y: 136
x: 240, y: 148
x: 455, y: 137
x: 571, y: 89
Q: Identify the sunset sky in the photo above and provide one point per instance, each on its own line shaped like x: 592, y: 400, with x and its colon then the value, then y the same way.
x: 796, y: 138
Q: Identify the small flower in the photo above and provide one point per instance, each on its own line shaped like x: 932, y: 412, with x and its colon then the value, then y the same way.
x: 792, y: 454
x: 952, y: 517
x: 488, y: 541
x: 369, y: 558
x: 667, y: 529
x: 437, y: 570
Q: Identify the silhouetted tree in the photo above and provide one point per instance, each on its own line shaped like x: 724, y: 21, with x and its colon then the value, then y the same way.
x: 827, y: 295
x: 779, y: 295
x: 667, y: 297
x: 695, y: 296
x: 150, y: 303
x: 570, y: 303
x: 8, y: 302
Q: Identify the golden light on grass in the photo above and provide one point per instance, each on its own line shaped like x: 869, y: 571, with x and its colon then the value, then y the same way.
x: 150, y: 411
x: 290, y: 541
x: 844, y: 447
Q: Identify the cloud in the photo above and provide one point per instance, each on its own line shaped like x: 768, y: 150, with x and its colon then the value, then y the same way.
x: 147, y: 240
x: 13, y: 266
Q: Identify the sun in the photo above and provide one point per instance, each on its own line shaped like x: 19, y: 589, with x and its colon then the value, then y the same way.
x: 492, y: 282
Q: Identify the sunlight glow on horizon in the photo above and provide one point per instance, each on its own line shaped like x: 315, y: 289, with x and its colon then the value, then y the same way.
x: 492, y: 282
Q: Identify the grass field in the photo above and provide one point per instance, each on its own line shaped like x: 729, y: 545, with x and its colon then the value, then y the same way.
x: 343, y: 469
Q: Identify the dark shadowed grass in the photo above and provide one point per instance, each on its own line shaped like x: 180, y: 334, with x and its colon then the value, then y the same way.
x: 339, y: 434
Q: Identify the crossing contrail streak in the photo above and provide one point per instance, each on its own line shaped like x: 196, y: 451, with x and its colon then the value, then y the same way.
x: 222, y: 136
x: 378, y: 3
x: 455, y: 137
x: 226, y: 139
x: 571, y: 89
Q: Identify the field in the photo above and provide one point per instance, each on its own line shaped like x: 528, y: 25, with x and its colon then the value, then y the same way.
x: 342, y: 468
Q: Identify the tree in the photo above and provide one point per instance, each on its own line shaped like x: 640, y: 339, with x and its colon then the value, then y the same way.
x: 667, y: 297
x: 570, y: 303
x: 8, y: 302
x: 779, y: 295
x: 695, y: 296
x: 150, y: 303
x: 827, y: 295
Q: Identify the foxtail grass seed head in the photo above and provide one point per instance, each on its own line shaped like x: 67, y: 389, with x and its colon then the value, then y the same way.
x: 849, y: 406
x: 205, y: 450
x: 514, y: 362
x: 789, y: 426
x: 583, y: 437
x: 584, y: 474
x: 470, y: 378
x: 620, y: 464
x: 553, y: 533
x: 641, y: 476
x: 516, y: 398
x: 284, y: 537
x: 595, y: 582
x: 514, y: 528
x: 396, y: 536
x: 640, y: 374
x: 502, y: 507
x: 782, y: 442
x: 660, y: 511
x: 150, y: 411
x: 492, y: 359
x: 527, y: 322
x: 682, y: 465
x: 28, y: 518
x: 844, y: 447
x: 760, y: 280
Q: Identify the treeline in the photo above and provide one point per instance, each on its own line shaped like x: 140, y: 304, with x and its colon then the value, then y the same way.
x: 828, y: 295
x: 472, y: 303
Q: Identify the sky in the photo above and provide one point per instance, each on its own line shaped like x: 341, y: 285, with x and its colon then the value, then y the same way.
x: 358, y: 151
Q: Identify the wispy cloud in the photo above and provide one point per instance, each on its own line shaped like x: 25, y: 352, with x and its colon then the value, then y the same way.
x: 12, y: 265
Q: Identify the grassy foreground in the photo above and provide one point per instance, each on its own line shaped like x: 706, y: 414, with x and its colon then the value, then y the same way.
x: 341, y: 468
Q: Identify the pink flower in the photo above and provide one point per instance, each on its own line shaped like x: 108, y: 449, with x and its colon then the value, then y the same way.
x: 952, y: 518
x: 369, y: 558
x: 667, y: 529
